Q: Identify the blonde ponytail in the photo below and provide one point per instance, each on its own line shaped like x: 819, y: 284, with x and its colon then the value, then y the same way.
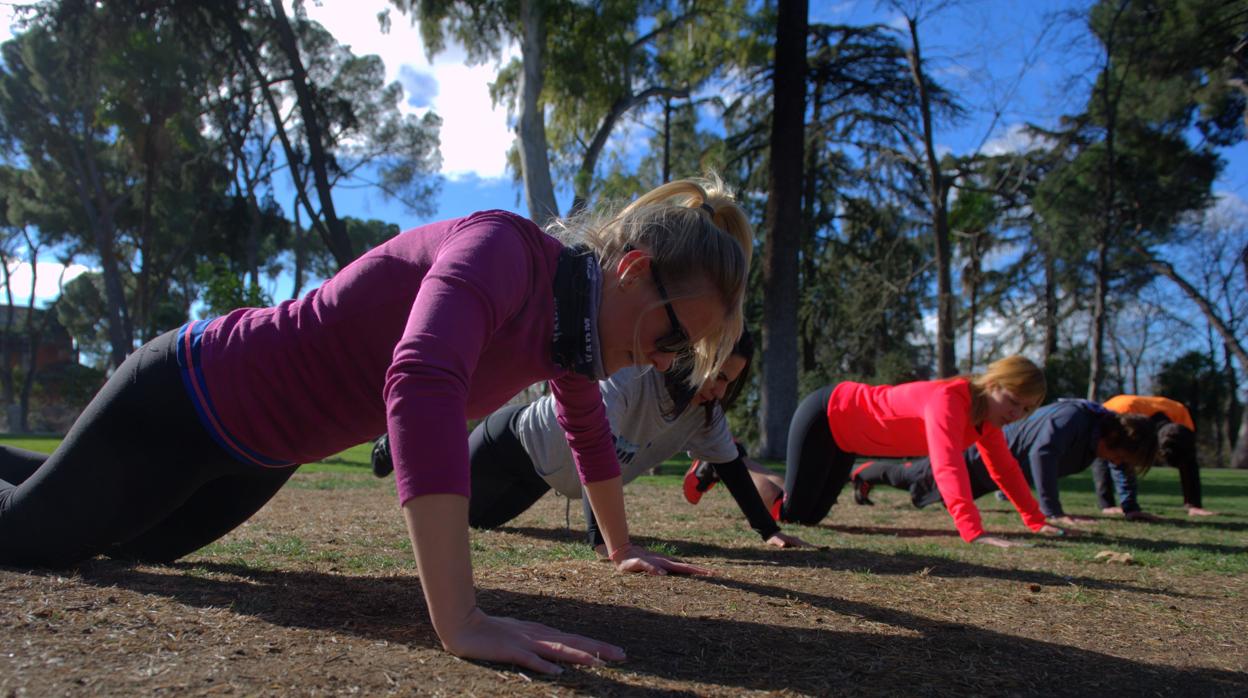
x: 698, y: 237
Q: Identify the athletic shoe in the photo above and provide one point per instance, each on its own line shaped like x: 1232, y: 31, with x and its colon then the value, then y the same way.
x: 699, y: 478
x: 382, y: 464
x: 862, y: 488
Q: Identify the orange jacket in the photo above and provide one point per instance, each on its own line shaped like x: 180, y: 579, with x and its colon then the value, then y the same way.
x: 931, y: 418
x: 1149, y: 406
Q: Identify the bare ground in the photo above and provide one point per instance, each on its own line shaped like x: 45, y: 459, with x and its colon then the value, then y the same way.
x: 317, y: 595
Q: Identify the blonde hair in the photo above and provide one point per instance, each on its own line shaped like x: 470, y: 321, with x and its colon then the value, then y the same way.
x: 1017, y: 374
x: 697, y: 236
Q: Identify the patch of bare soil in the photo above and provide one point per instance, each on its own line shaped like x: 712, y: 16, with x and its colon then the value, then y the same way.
x: 317, y: 595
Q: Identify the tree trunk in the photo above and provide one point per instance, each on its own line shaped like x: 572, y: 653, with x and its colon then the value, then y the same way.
x: 299, y: 243
x: 539, y: 191
x: 1239, y: 458
x: 114, y: 295
x: 585, y: 175
x: 318, y: 160
x: 784, y: 228
x: 667, y: 140
x: 1096, y: 375
x: 143, y: 295
x: 7, y: 345
x: 99, y: 212
x: 937, y: 193
x: 971, y: 276
x: 1233, y: 405
x: 247, y: 55
x: 1050, y: 307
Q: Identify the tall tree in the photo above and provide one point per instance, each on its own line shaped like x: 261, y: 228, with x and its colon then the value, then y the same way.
x: 1128, y: 172
x: 784, y: 226
x: 936, y: 187
x: 50, y: 91
x: 344, y: 122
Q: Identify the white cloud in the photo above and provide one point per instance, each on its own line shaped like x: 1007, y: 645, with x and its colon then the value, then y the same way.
x: 475, y: 135
x: 8, y: 14
x: 46, y: 285
x: 1016, y: 139
x: 1229, y: 206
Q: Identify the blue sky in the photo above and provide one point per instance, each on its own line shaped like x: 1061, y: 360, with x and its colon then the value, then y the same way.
x: 1010, y: 61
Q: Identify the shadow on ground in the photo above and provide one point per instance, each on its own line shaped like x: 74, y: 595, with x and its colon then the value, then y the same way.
x: 918, y: 656
x: 858, y: 560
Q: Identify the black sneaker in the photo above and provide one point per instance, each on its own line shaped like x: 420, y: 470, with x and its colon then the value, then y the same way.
x: 382, y: 464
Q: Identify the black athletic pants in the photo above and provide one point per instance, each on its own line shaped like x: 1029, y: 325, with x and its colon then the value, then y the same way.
x: 137, y: 476
x: 816, y: 469
x: 504, y: 482
x: 916, y: 476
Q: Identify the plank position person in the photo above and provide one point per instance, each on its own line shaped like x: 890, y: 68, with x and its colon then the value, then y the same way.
x: 1057, y: 440
x: 1176, y: 438
x: 200, y: 427
x: 837, y: 424
x: 518, y: 453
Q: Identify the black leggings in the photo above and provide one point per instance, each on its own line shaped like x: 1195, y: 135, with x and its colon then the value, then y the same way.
x: 504, y: 482
x: 816, y: 469
x: 136, y: 477
x: 916, y: 476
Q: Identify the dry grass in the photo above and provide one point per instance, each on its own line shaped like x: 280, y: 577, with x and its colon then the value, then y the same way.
x: 317, y: 595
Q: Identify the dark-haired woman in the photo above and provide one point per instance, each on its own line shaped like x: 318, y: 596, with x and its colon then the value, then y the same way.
x: 519, y: 453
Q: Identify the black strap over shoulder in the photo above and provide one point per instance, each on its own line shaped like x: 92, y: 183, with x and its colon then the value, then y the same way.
x: 577, y: 288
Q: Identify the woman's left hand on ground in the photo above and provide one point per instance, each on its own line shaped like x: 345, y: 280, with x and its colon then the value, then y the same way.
x: 634, y: 558
x: 784, y: 540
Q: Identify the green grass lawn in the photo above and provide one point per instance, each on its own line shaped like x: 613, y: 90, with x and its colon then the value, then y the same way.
x: 1179, y: 544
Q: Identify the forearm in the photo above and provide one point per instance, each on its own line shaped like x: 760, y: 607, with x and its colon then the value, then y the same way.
x: 438, y: 527
x: 741, y: 487
x: 607, y: 499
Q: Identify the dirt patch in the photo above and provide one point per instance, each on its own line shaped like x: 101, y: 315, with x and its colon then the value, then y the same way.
x: 317, y: 595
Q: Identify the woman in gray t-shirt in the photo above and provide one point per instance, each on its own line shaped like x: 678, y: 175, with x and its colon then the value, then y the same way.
x: 519, y: 453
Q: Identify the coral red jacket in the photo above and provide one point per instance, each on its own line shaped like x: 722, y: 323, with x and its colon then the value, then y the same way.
x: 931, y: 418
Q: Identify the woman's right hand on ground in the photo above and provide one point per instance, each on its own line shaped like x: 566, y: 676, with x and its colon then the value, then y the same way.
x: 784, y: 540
x: 634, y: 558
x: 997, y: 541
x: 524, y: 643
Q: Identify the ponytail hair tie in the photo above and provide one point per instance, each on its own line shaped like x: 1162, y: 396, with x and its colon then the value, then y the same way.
x: 707, y: 207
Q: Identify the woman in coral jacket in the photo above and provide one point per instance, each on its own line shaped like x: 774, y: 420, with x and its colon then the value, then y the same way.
x: 836, y: 424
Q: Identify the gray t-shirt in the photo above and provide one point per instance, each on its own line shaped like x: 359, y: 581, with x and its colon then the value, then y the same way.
x: 635, y: 399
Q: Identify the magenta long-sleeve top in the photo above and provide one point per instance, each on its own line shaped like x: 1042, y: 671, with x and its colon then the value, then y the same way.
x: 442, y: 323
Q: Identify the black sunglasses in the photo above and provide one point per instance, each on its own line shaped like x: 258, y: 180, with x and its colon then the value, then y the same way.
x: 677, y: 339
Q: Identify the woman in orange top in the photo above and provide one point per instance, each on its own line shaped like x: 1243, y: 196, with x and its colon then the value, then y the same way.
x: 1176, y: 434
x: 939, y: 419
